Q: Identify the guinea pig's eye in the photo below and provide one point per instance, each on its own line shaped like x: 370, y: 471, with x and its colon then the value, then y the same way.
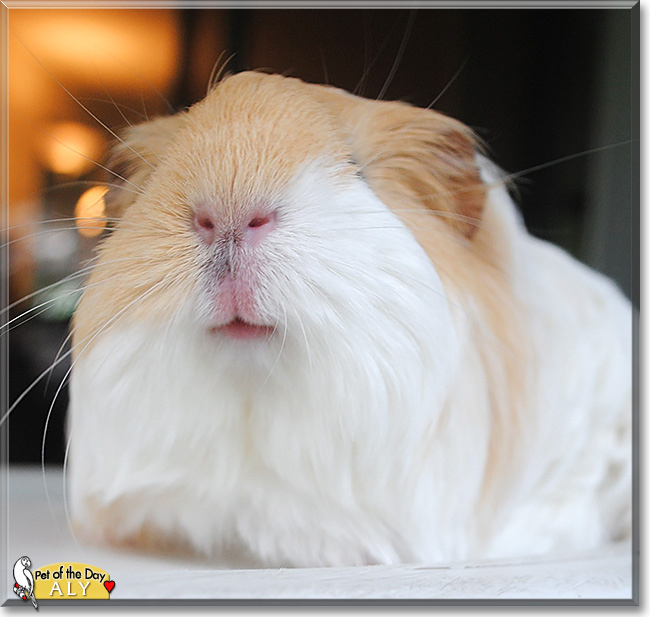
x: 356, y: 167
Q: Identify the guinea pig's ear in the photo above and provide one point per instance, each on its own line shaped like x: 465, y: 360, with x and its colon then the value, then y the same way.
x: 134, y: 158
x: 411, y: 155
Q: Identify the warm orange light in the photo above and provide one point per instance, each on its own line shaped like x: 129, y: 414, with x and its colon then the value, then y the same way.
x: 71, y: 147
x: 115, y: 49
x: 90, y: 212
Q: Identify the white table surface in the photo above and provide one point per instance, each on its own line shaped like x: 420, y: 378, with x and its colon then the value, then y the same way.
x: 42, y: 534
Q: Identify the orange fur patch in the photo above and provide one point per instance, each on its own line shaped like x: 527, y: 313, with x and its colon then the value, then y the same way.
x: 411, y: 155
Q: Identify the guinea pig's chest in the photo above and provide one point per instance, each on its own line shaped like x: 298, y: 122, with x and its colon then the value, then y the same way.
x: 185, y: 431
x: 182, y: 412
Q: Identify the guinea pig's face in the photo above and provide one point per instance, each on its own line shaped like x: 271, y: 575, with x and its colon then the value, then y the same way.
x: 261, y: 212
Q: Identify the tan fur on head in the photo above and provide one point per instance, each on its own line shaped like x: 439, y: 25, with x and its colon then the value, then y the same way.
x: 405, y: 152
x: 134, y: 158
x: 410, y: 154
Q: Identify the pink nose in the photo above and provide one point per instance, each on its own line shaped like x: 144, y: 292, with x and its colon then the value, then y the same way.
x: 207, y: 226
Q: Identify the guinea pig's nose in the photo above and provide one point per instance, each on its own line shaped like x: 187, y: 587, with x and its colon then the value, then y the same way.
x: 252, y: 230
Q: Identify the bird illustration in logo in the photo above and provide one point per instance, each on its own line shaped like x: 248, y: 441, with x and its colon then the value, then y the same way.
x: 24, y: 586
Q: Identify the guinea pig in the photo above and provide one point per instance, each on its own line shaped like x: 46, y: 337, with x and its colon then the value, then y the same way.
x: 320, y: 335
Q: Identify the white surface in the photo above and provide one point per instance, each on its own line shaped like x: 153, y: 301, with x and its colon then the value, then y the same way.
x: 44, y: 536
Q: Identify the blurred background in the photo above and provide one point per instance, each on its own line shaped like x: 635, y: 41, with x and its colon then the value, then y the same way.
x: 549, y: 91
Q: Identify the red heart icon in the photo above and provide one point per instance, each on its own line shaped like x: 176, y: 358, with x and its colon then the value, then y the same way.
x: 109, y: 585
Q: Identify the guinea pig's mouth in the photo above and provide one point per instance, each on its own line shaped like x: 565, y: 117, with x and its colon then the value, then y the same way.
x: 240, y: 329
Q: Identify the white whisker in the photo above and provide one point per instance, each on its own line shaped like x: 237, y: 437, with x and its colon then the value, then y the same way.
x: 67, y: 279
x: 217, y: 72
x: 304, y: 334
x: 400, y: 54
x: 449, y: 83
x: 284, y: 339
x: 68, y: 518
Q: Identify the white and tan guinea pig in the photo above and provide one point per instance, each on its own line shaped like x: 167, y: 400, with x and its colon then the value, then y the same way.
x: 320, y: 335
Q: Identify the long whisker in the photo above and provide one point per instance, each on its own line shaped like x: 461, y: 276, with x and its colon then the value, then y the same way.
x: 144, y: 108
x: 68, y: 518
x: 133, y: 228
x: 47, y: 231
x: 64, y: 185
x: 70, y: 335
x: 449, y: 83
x: 353, y: 272
x: 217, y: 72
x: 30, y: 388
x: 109, y: 95
x: 408, y: 225
x: 366, y: 71
x: 400, y: 53
x: 322, y: 59
x: 116, y: 104
x: 505, y: 179
x: 66, y: 219
x: 366, y: 56
x: 5, y: 326
x: 58, y: 353
x: 314, y: 289
x: 88, y: 286
x: 79, y: 273
x: 284, y: 340
x: 47, y: 287
x: 304, y: 334
x: 564, y: 159
x: 95, y: 183
x: 213, y: 72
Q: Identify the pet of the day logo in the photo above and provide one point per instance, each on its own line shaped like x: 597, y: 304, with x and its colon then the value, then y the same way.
x: 61, y: 581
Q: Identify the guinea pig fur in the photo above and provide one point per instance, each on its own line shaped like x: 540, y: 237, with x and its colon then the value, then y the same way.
x: 320, y: 335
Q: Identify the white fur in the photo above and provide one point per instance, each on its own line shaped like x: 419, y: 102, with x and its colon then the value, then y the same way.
x: 576, y: 490
x: 356, y: 435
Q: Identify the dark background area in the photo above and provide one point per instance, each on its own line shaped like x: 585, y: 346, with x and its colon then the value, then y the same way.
x: 542, y: 88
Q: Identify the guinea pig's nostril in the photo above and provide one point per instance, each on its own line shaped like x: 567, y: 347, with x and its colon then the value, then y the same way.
x: 204, y: 226
x: 259, y: 221
x: 204, y: 222
x: 259, y: 226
